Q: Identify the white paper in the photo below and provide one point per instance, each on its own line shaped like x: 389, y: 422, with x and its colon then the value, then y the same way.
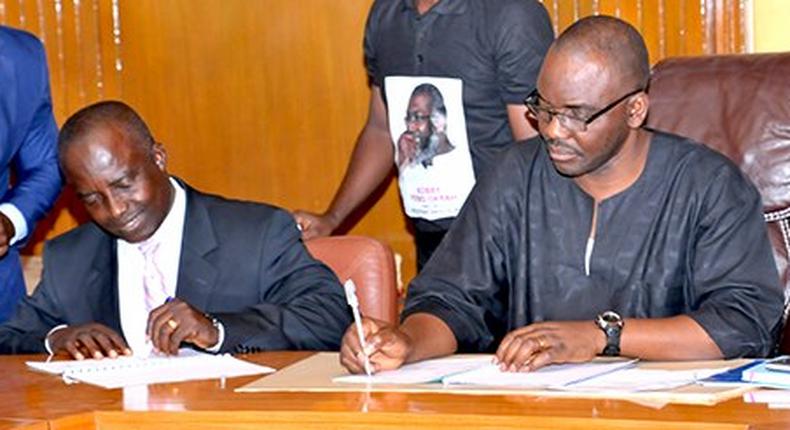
x: 634, y: 379
x: 549, y: 376
x: 767, y: 396
x: 125, y: 371
x: 420, y: 372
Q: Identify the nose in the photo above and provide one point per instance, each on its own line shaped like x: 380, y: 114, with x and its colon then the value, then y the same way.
x: 116, y: 206
x: 553, y: 129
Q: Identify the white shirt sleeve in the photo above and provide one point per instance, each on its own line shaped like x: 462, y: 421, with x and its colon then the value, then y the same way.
x: 17, y: 219
x: 220, y: 338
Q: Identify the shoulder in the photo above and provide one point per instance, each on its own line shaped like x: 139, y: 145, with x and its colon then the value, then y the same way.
x: 240, y: 214
x: 690, y: 153
x: 514, y: 165
x: 506, y: 13
x: 75, y: 246
x: 382, y: 9
x: 20, y: 43
x: 703, y: 169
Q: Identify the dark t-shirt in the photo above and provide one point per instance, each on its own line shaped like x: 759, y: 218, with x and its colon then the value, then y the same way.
x: 495, y: 47
x: 688, y: 237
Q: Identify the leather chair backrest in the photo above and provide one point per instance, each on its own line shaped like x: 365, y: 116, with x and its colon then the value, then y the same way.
x: 370, y: 264
x: 740, y: 106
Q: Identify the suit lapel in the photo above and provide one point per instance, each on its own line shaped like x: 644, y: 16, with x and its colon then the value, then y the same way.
x: 197, y: 276
x: 102, y: 285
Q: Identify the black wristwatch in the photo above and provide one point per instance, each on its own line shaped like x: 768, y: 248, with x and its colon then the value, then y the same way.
x: 612, y: 325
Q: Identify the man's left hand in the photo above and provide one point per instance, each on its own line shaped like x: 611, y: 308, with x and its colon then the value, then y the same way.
x: 177, y: 321
x: 7, y: 232
x: 536, y: 345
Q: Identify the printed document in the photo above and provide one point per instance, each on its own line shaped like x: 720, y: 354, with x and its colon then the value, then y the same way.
x: 188, y: 365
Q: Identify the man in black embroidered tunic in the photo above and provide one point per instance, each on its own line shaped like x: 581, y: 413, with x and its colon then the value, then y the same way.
x: 599, y: 237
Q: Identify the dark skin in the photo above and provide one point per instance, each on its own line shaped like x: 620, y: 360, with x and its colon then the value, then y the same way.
x: 371, y: 160
x: 122, y: 182
x: 7, y: 232
x: 603, y: 160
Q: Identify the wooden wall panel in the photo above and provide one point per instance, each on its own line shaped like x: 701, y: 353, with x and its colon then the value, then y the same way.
x: 263, y: 99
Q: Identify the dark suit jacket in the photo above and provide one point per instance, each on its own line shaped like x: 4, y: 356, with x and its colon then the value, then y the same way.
x: 242, y: 262
x: 27, y: 146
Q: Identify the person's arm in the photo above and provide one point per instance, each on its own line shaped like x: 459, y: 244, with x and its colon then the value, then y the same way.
x: 522, y: 34
x: 35, y: 316
x: 736, y: 298
x: 420, y: 337
x: 301, y: 303
x: 35, y: 164
x: 536, y: 345
x: 371, y: 162
x: 520, y: 126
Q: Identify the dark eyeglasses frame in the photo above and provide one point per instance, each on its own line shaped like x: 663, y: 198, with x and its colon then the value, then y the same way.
x: 534, y: 97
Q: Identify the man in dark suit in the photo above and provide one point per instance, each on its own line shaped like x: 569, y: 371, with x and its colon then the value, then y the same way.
x: 27, y: 148
x: 163, y: 264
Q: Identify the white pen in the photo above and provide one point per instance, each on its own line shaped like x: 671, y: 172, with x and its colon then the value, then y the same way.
x: 351, y: 298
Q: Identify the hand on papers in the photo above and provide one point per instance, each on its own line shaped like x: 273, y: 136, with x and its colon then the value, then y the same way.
x: 537, y: 345
x: 92, y: 340
x: 314, y: 225
x: 177, y: 321
x: 388, y: 347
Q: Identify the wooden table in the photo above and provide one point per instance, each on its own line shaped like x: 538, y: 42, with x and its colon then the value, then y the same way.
x: 30, y: 400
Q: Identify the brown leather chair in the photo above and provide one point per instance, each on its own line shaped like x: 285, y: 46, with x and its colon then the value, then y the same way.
x: 370, y: 264
x: 740, y: 106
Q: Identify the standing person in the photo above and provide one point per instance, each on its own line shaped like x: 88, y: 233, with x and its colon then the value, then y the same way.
x: 484, y: 57
x: 27, y: 151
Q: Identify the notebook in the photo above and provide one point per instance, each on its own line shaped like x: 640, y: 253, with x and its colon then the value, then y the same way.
x: 188, y: 365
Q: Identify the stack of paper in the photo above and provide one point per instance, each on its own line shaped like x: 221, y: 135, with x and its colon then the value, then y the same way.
x: 120, y: 372
x: 481, y: 372
x: 762, y: 374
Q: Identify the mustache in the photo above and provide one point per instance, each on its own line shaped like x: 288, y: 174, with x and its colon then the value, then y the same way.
x: 561, y: 145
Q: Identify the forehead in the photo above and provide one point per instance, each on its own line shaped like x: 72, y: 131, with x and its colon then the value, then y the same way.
x: 575, y: 77
x: 103, y: 153
x: 419, y: 101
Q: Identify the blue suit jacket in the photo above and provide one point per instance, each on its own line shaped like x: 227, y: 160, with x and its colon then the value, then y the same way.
x: 28, y: 139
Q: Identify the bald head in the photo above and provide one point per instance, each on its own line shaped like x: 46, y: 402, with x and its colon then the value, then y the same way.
x: 611, y: 41
x: 102, y: 115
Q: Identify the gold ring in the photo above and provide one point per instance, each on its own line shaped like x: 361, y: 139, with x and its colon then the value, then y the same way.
x: 172, y: 324
x: 541, y: 343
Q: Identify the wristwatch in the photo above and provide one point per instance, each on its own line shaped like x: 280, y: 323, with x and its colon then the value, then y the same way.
x: 612, y: 325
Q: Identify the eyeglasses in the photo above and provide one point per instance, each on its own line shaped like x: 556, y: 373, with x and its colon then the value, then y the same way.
x: 569, y: 122
x: 416, y: 117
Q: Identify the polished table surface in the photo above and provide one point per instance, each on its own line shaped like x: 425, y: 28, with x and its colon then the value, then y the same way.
x: 31, y: 400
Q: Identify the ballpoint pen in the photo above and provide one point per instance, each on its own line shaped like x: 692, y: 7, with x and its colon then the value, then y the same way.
x: 351, y: 298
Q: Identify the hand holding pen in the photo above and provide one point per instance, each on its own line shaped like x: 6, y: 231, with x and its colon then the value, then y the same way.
x: 374, y: 343
x: 351, y: 297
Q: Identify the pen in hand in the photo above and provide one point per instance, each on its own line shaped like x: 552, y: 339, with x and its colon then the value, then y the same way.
x: 351, y: 298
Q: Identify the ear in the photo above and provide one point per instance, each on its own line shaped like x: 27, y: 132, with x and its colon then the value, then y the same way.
x: 160, y: 156
x: 637, y: 107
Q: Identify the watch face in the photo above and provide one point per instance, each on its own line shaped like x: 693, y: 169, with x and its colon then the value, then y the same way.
x: 611, y: 318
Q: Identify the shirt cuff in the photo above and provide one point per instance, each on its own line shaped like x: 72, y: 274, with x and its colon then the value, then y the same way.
x: 17, y: 219
x: 46, y: 338
x: 220, y: 338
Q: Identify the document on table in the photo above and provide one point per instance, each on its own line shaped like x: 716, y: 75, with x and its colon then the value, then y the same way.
x: 480, y: 371
x: 421, y: 372
x: 188, y: 365
x: 554, y: 375
x: 634, y: 380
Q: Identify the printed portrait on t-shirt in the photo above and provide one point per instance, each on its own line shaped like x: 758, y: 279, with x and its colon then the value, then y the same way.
x: 428, y: 129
